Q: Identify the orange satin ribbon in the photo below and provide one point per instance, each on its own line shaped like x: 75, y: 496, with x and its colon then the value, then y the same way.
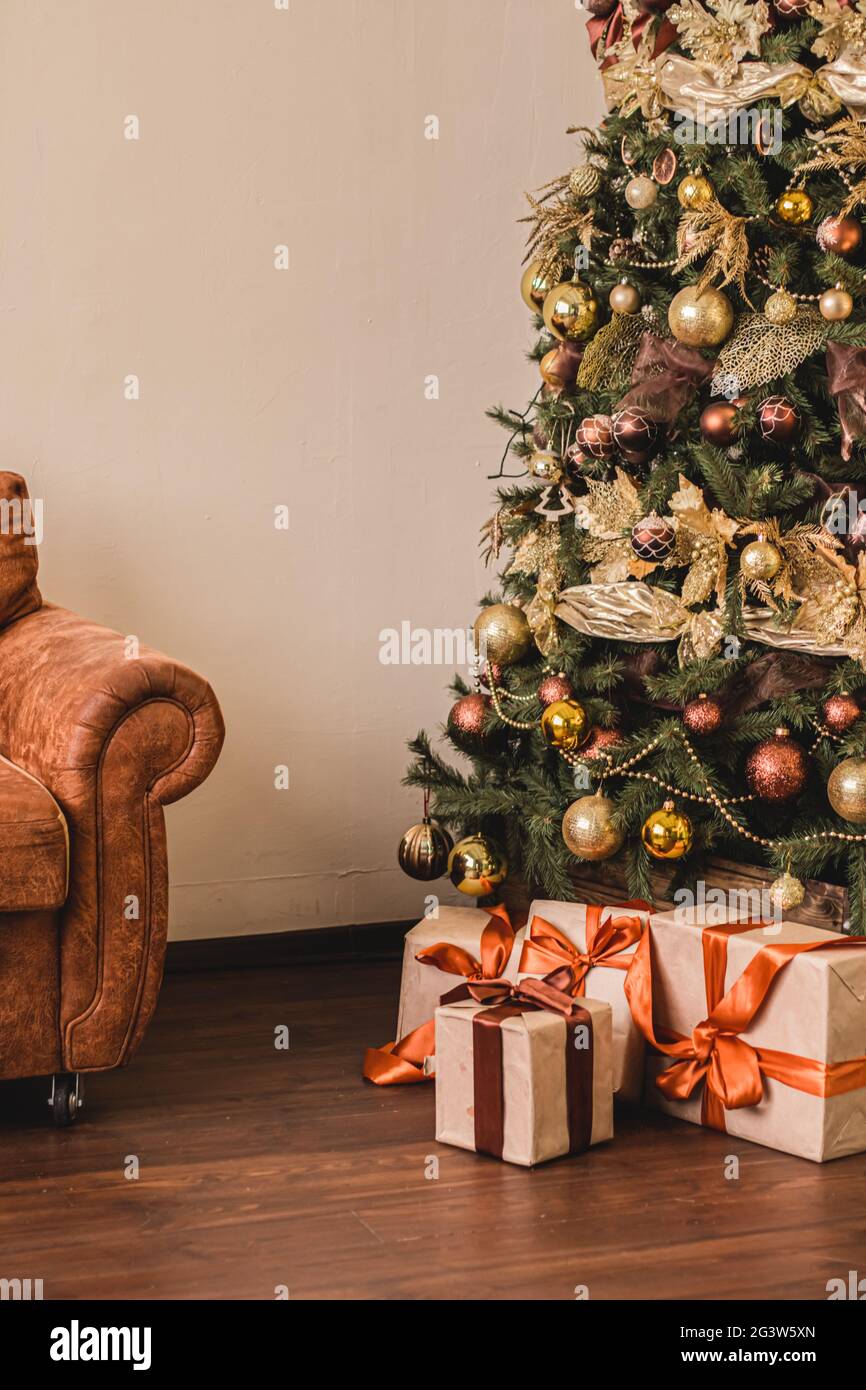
x: 546, y: 947
x: 731, y: 1069
x: 402, y: 1063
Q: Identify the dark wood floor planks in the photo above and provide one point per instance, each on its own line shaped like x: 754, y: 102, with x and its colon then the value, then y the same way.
x: 261, y: 1168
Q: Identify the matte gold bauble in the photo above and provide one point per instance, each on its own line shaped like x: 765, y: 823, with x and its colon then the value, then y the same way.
x: 547, y: 468
x: 786, y: 892
x: 776, y: 768
x: 703, y: 320
x: 624, y: 299
x: 588, y: 829
x: 781, y: 307
x: 424, y: 850
x: 641, y: 193
x: 571, y: 312
x: 794, y: 207
x: 584, y: 181
x: 836, y: 304
x: 536, y: 286
x: 667, y: 833
x: 563, y: 724
x: 502, y: 634
x: 840, y: 235
x: 846, y: 790
x: 760, y: 560
x: 476, y: 866
x: 695, y: 192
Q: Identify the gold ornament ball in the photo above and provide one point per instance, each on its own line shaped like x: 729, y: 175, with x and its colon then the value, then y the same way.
x: 781, y: 307
x: 588, y: 829
x: 536, y: 286
x: 624, y: 299
x: 846, y: 790
x: 424, y: 850
x: 476, y: 866
x: 836, y: 304
x: 794, y: 207
x: 563, y: 725
x: 667, y: 833
x: 502, y: 634
x: 761, y: 560
x: 695, y: 192
x: 703, y: 320
x: 547, y: 468
x: 571, y: 312
x: 584, y: 181
x: 786, y: 892
x: 641, y: 192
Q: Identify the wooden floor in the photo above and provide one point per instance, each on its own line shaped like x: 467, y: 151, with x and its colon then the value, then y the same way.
x: 261, y: 1168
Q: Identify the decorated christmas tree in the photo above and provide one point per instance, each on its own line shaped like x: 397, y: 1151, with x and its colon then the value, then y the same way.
x: 673, y: 660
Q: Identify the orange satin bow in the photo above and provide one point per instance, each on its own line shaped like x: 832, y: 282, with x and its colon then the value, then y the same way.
x: 731, y: 1069
x: 546, y: 947
x: 402, y: 1063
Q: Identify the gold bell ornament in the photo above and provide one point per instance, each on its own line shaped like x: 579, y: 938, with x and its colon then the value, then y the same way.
x: 667, y: 833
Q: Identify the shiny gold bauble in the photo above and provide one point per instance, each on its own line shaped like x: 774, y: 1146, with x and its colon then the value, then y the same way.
x: 584, y: 181
x: 760, y: 560
x: 781, y: 307
x: 547, y: 468
x: 703, y: 320
x: 667, y: 833
x: 564, y: 724
x: 836, y: 304
x: 694, y: 192
x: 588, y: 829
x: 536, y: 286
x: 846, y: 790
x: 624, y: 299
x: 641, y: 192
x: 476, y: 866
x: 502, y: 634
x: 571, y: 312
x: 794, y: 207
x: 786, y: 892
x: 423, y: 851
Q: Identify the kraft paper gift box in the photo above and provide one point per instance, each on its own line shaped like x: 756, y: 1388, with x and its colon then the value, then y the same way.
x: 599, y: 944
x: 523, y: 1083
x: 759, y: 1031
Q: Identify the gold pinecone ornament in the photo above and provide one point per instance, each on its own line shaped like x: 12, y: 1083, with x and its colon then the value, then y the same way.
x: 584, y: 181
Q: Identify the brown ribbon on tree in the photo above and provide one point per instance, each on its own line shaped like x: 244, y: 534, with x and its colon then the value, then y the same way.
x: 846, y: 375
x: 665, y: 377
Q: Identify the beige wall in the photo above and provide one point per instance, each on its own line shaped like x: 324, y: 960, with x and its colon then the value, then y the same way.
x: 259, y: 387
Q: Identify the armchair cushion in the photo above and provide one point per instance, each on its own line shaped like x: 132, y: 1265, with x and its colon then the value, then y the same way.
x: 34, y: 844
x: 19, y: 562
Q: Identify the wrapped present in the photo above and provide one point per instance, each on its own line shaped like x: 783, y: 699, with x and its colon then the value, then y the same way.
x: 758, y: 1029
x: 523, y: 1073
x: 461, y: 943
x: 598, y: 943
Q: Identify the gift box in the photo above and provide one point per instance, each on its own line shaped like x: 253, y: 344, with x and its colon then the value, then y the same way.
x: 757, y: 1030
x: 523, y: 1074
x: 598, y: 943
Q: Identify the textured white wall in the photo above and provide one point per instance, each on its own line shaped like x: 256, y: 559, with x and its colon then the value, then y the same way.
x: 261, y: 126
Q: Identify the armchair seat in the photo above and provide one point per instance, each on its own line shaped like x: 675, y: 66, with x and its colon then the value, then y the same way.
x: 34, y: 844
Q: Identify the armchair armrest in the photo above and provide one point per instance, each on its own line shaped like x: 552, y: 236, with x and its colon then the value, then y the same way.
x: 113, y: 738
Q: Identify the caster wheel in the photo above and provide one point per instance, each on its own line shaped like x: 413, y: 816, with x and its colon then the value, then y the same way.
x: 66, y: 1099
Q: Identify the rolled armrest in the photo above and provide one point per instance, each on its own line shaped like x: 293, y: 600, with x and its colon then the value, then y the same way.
x: 114, y: 736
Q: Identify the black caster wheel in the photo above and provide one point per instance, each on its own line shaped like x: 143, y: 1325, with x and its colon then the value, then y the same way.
x: 67, y: 1098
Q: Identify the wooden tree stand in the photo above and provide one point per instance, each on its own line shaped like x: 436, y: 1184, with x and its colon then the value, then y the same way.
x: 825, y: 905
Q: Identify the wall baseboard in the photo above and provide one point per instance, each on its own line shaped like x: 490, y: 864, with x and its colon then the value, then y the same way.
x: 376, y: 941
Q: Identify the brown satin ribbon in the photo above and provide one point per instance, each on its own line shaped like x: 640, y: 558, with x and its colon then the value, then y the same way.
x: 402, y: 1063
x: 731, y: 1069
x: 665, y: 377
x: 846, y: 378
x: 546, y: 947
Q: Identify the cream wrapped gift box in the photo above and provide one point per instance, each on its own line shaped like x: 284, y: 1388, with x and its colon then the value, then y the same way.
x: 759, y: 1031
x: 527, y: 1079
x: 598, y: 943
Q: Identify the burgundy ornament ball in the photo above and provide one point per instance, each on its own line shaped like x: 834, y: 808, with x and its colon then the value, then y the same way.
x: 600, y: 741
x: 653, y: 538
x: 554, y: 688
x: 840, y: 712
x: 776, y: 768
x: 635, y: 431
x: 467, y: 716
x: 703, y: 715
x: 778, y: 420
x: 595, y: 436
x: 491, y: 675
x: 840, y: 235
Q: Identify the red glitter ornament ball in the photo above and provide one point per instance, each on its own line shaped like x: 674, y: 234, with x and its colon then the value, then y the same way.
x: 600, y: 741
x: 555, y: 688
x: 840, y: 712
x: 778, y: 420
x: 491, y: 675
x: 776, y: 768
x: 703, y: 715
x: 467, y: 716
x: 595, y: 436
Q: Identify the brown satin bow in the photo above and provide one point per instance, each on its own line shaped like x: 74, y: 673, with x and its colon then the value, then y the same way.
x: 731, y: 1069
x: 846, y: 375
x: 546, y: 946
x: 665, y: 376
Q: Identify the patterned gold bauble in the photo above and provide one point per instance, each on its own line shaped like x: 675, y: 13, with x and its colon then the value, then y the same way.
x: 564, y: 724
x: 624, y: 298
x: 667, y: 833
x: 502, y: 634
x: 424, y: 850
x: 836, y: 304
x: 695, y: 192
x: 571, y: 312
x: 536, y: 286
x: 846, y: 790
x: 786, y: 892
x: 761, y: 560
x: 703, y: 320
x: 588, y: 829
x: 476, y: 866
x: 794, y: 207
x: 641, y: 192
x: 781, y: 307
x: 546, y: 467
x: 584, y: 181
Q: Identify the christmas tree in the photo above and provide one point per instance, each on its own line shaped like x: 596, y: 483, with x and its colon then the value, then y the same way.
x: 673, y: 661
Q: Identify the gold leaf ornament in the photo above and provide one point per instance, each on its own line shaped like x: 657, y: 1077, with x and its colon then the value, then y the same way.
x: 703, y: 540
x: 843, y: 29
x: 721, y: 32
x: 759, y: 351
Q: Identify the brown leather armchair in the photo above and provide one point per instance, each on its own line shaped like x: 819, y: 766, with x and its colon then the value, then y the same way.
x: 94, y: 741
